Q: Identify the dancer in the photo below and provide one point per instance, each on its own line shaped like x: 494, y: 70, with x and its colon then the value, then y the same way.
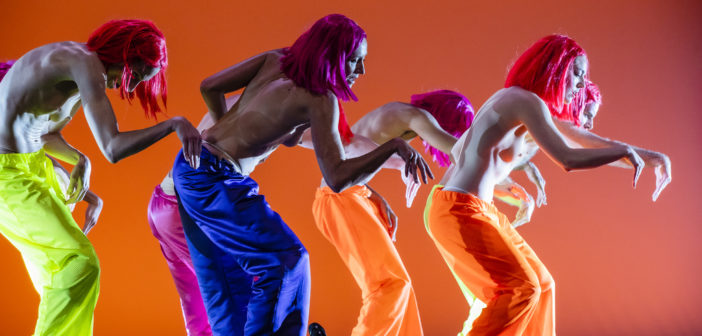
x: 233, y: 234
x: 478, y: 243
x: 38, y: 96
x: 166, y: 227
x: 361, y: 225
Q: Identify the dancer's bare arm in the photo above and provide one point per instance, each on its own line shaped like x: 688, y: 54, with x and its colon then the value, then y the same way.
x: 214, y: 88
x: 389, y: 217
x: 534, y: 114
x: 429, y: 130
x: 92, y: 212
x: 115, y: 145
x: 79, y: 181
x: 339, y: 172
x: 659, y: 161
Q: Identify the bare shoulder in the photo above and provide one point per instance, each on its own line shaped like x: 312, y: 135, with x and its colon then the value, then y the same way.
x: 516, y: 101
x: 72, y: 58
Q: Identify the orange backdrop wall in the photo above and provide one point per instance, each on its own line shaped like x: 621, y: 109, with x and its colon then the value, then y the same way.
x: 623, y: 265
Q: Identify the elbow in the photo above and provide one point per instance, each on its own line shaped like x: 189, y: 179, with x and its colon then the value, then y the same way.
x: 110, y: 154
x: 336, y: 186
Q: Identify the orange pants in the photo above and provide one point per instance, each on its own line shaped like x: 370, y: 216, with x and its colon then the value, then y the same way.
x: 490, y: 258
x: 353, y: 224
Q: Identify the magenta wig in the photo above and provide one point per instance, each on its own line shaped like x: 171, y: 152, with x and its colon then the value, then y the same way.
x: 126, y: 42
x: 4, y: 68
x: 543, y: 70
x: 317, y: 60
x: 591, y: 94
x: 452, y: 110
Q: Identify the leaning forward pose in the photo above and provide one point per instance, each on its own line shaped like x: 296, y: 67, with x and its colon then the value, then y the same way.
x: 484, y: 251
x: 39, y: 95
x: 252, y: 269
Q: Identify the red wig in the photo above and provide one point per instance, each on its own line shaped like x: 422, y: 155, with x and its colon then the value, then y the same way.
x: 317, y: 60
x: 452, y: 110
x: 126, y: 42
x: 543, y: 70
x: 4, y: 68
x: 591, y: 94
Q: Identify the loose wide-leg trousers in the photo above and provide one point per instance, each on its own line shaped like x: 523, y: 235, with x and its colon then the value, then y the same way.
x: 353, y: 224
x: 164, y: 220
x: 234, y: 238
x: 60, y: 260
x: 493, y: 261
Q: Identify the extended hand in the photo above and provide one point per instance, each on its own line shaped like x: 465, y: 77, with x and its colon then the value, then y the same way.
x: 526, y: 209
x: 636, y: 161
x: 191, y: 139
x: 410, y: 190
x: 79, y: 182
x: 92, y: 213
x: 413, y: 161
x: 663, y: 176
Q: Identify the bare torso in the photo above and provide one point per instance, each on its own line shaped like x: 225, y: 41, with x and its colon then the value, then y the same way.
x: 38, y: 95
x: 493, y: 146
x: 272, y: 110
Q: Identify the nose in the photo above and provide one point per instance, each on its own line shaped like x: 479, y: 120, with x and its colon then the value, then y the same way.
x: 588, y: 125
x: 360, y: 68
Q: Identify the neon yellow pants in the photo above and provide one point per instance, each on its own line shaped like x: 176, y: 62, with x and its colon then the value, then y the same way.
x: 59, y: 258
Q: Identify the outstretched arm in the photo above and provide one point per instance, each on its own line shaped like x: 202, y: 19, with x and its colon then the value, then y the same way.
x: 534, y: 114
x: 214, y: 88
x: 115, y: 145
x: 340, y: 172
x: 659, y: 161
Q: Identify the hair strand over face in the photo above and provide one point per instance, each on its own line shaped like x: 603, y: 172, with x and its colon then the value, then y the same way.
x: 129, y: 42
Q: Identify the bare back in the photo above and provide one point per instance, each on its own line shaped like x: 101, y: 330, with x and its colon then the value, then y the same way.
x: 38, y: 94
x: 272, y: 110
x: 387, y: 122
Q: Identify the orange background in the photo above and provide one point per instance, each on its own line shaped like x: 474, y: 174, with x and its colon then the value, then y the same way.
x: 623, y: 265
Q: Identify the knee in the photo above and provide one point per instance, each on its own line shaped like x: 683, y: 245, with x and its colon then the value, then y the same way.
x: 397, y: 287
x: 528, y: 292
x: 81, y: 266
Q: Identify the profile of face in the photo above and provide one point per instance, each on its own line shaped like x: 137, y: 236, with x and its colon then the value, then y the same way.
x: 587, y: 117
x: 575, y: 80
x: 141, y: 72
x: 355, y: 63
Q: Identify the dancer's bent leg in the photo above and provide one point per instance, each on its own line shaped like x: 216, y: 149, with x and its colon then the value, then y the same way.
x: 60, y: 260
x: 353, y: 224
x: 236, y: 222
x: 478, y: 243
x: 164, y: 220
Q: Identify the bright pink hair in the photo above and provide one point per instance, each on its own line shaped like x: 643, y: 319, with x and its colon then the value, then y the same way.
x: 543, y: 70
x: 591, y: 94
x: 5, y: 67
x: 126, y: 42
x: 452, y: 110
x: 317, y: 60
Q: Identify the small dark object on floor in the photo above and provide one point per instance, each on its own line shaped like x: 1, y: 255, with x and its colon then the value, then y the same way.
x: 316, y: 329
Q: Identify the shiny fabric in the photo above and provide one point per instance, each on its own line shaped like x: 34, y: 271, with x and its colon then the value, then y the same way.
x: 164, y: 220
x: 234, y: 237
x: 60, y: 260
x: 353, y: 224
x: 493, y: 261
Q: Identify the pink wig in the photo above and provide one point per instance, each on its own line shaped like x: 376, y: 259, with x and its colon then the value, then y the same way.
x: 543, y: 70
x: 317, y: 60
x: 126, y: 42
x: 4, y: 68
x: 452, y: 110
x: 591, y: 94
